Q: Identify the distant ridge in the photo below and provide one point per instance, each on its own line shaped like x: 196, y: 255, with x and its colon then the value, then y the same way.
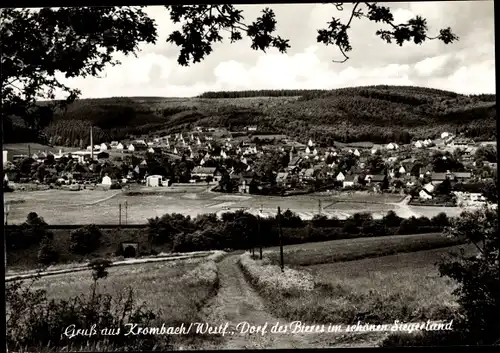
x: 379, y: 114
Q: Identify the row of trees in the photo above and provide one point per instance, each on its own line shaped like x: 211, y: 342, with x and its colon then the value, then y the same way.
x: 236, y: 230
x: 240, y: 230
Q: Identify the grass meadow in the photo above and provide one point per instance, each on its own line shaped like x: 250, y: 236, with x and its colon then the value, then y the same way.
x: 102, y: 207
x: 177, y: 289
x: 377, y: 289
x: 358, y: 248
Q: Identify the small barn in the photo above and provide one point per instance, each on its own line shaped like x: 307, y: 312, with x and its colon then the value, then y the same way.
x: 155, y: 181
x: 106, y: 180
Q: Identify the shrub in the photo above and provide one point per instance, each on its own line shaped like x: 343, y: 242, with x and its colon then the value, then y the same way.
x: 319, y: 220
x: 406, y: 227
x: 196, y: 241
x: 85, y: 240
x: 6, y: 186
x: 440, y: 220
x: 477, y: 276
x: 31, y: 232
x: 391, y: 219
x: 34, y: 321
x: 269, y: 278
x: 115, y: 186
x: 47, y: 254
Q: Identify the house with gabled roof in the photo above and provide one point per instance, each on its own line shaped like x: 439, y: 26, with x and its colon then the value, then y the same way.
x: 281, y: 179
x: 309, y: 174
x: 295, y: 161
x: 424, y: 195
x: 349, y: 180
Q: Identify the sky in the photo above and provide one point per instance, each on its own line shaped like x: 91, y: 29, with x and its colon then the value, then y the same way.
x: 466, y: 66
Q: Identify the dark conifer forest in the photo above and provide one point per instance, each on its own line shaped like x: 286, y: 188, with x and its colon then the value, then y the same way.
x: 379, y: 114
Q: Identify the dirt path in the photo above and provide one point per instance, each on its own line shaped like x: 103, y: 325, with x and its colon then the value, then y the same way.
x: 404, y: 210
x: 238, y: 302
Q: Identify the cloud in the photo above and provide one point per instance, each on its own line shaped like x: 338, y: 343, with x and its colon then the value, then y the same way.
x: 466, y: 66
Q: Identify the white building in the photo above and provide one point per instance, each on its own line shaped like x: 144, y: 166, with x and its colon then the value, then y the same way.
x: 424, y: 195
x: 310, y: 143
x: 106, y: 180
x: 356, y: 153
x: 445, y: 135
x: 155, y: 181
x: 429, y: 187
x: 418, y: 144
x: 103, y: 147
x: 5, y: 155
x: 340, y: 177
x: 119, y: 146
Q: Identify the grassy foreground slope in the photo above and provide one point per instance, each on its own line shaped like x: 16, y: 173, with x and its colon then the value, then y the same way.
x: 375, y: 113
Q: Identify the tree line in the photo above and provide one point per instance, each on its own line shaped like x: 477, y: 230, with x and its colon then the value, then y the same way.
x: 235, y: 230
x: 379, y: 114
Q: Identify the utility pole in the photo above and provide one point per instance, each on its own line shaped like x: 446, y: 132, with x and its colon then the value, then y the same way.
x: 319, y: 206
x: 92, y: 146
x: 6, y: 210
x: 126, y: 212
x: 281, y: 243
x: 29, y: 151
x: 260, y: 239
x: 120, y: 215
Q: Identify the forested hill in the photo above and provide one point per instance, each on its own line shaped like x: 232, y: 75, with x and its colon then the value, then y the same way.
x: 377, y: 113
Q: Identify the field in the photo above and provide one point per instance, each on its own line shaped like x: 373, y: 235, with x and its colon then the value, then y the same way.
x: 354, y: 249
x: 376, y: 289
x: 102, y: 207
x: 412, y: 275
x: 176, y: 289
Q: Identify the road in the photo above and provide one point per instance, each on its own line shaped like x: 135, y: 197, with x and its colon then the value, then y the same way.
x: 237, y: 301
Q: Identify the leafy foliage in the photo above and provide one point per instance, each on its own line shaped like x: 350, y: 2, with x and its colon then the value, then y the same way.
x: 73, y: 41
x: 202, y: 25
x: 47, y: 254
x: 85, y: 240
x: 34, y: 321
